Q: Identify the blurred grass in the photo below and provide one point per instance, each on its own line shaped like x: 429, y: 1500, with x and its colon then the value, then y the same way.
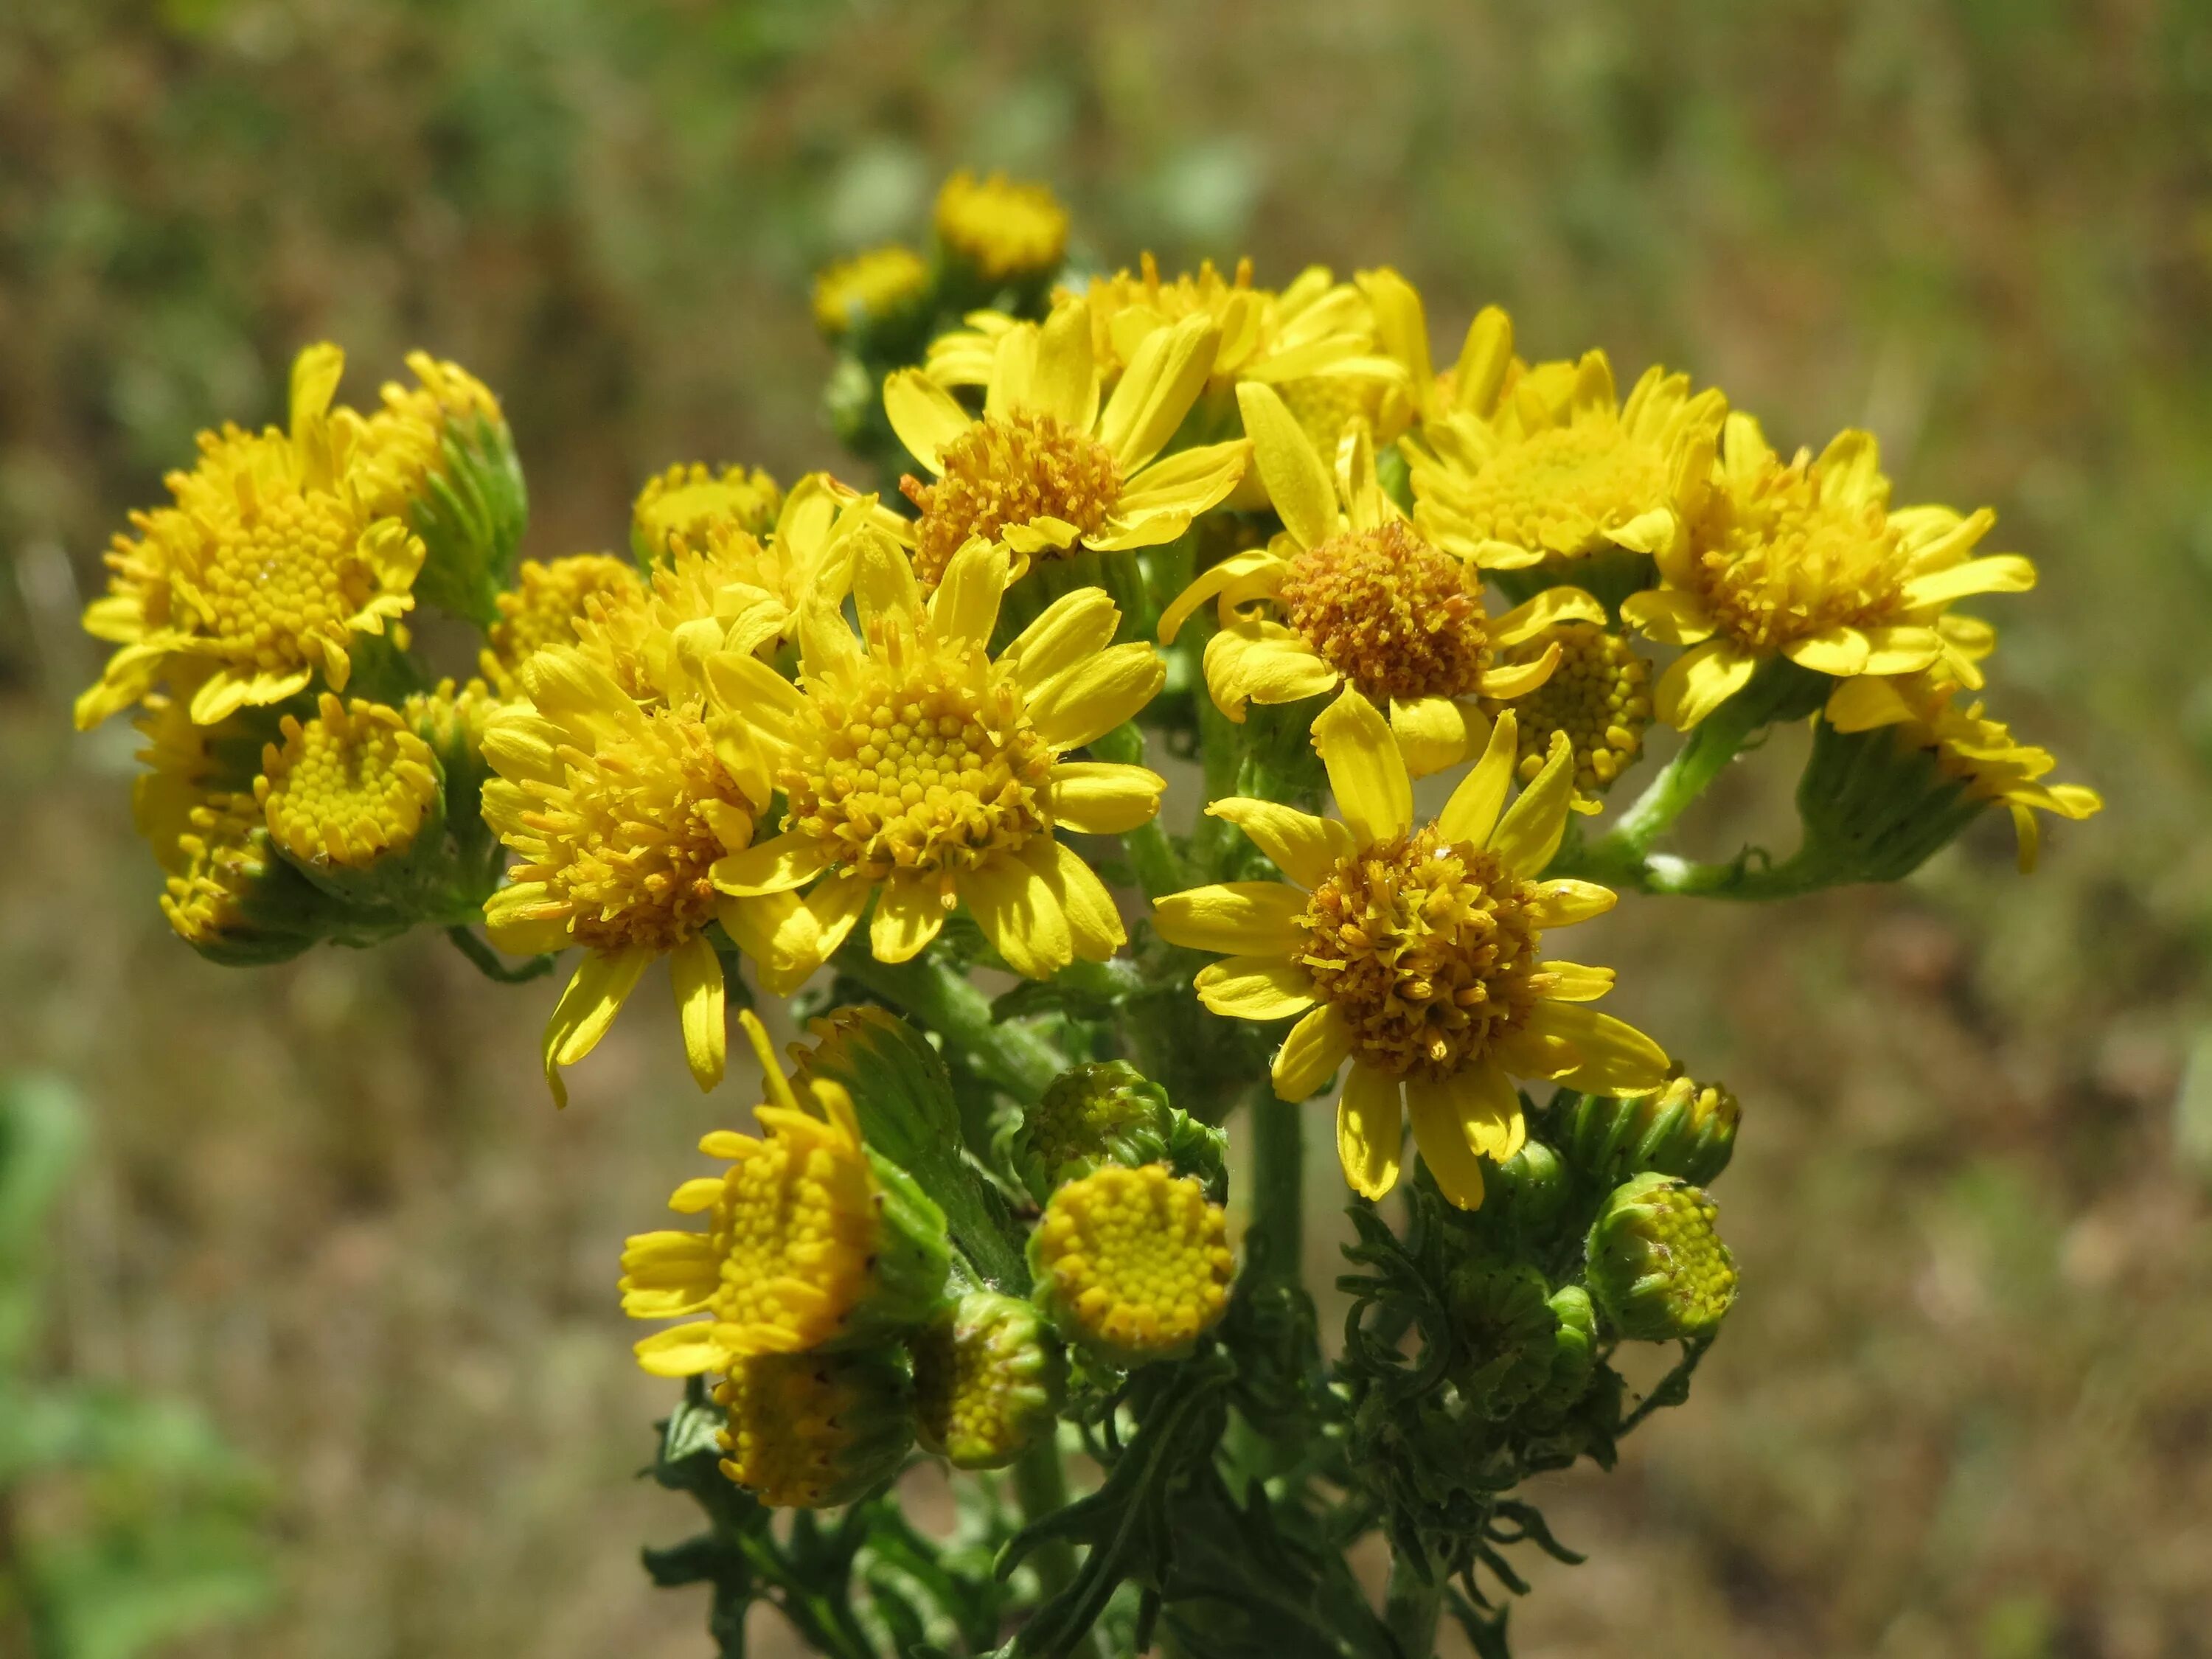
x: 1963, y: 1408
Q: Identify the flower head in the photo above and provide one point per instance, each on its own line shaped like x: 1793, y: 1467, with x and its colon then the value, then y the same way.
x: 1047, y: 469
x: 1530, y: 464
x: 1807, y: 560
x: 811, y: 1431
x: 1599, y: 696
x: 884, y: 282
x: 988, y: 1381
x: 1980, y: 753
x: 692, y: 503
x: 543, y: 607
x: 260, y: 575
x: 1133, y: 1264
x: 1352, y: 594
x: 1415, y: 953
x: 1004, y: 231
x: 1657, y: 1268
x: 349, y: 787
x: 1683, y: 1128
x: 918, y: 769
x: 806, y: 1245
x: 619, y: 808
x: 400, y: 445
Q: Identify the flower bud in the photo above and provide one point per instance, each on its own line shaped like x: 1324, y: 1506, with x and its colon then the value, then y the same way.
x: 1133, y: 1265
x: 1108, y: 1112
x: 1529, y: 1189
x: 988, y: 1381
x: 1680, y: 1128
x: 883, y: 291
x: 1503, y: 1334
x: 687, y: 503
x: 1657, y: 1268
x: 1574, y: 1347
x: 998, y: 239
x: 808, y: 1430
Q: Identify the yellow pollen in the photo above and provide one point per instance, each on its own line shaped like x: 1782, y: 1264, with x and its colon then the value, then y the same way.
x: 924, y: 763
x: 627, y: 840
x: 1428, y: 949
x: 1776, y: 563
x: 1549, y: 490
x: 278, y: 571
x: 1005, y: 230
x: 348, y: 787
x: 692, y: 502
x: 867, y: 286
x: 547, y: 602
x: 1138, y: 1257
x: 1599, y: 696
x: 795, y: 1421
x: 794, y: 1236
x: 1009, y: 470
x: 1392, y: 614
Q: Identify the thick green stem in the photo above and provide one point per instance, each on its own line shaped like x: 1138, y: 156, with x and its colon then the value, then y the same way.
x: 1279, y: 1172
x: 1158, y: 868
x: 1009, y: 1053
x: 1410, y: 1608
x: 1040, y: 1489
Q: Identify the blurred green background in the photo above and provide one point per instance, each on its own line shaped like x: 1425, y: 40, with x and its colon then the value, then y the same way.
x: 1966, y: 1406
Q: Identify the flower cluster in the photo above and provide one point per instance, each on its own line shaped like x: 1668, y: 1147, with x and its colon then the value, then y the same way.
x: 879, y: 743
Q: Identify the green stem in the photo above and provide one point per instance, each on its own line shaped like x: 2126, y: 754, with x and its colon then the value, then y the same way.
x: 1279, y: 1160
x: 1158, y: 865
x: 1040, y: 1489
x: 1749, y: 876
x: 488, y: 963
x: 1410, y: 1607
x: 1009, y: 1054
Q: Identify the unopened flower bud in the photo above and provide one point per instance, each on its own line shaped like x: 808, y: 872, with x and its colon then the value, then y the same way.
x: 808, y: 1430
x: 1682, y: 1127
x: 871, y: 294
x: 1108, y: 1112
x: 1657, y: 1268
x: 1529, y: 1189
x: 988, y: 1381
x: 999, y: 235
x: 689, y: 504
x: 1574, y: 1347
x: 1133, y: 1265
x: 1502, y: 1333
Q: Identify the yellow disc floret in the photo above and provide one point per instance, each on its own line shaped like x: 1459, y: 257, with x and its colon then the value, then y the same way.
x: 349, y: 787
x: 544, y: 606
x: 215, y: 864
x: 855, y: 292
x: 809, y: 1431
x: 1392, y: 614
x: 1005, y: 230
x: 691, y: 500
x: 1547, y: 490
x: 1135, y: 1263
x: 1599, y: 696
x: 1429, y: 949
x: 1010, y: 470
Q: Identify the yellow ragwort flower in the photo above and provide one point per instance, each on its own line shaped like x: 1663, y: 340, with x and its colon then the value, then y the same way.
x: 543, y: 607
x: 1530, y: 464
x: 1968, y: 745
x: 1004, y: 230
x: 262, y: 572
x: 1807, y: 560
x: 795, y: 1227
x: 811, y: 1431
x: 348, y: 787
x: 691, y: 502
x: 1415, y: 953
x: 397, y: 447
x: 1351, y: 594
x: 919, y: 770
x: 619, y: 808
x: 1599, y: 696
x: 868, y: 288
x: 1134, y: 1264
x: 1046, y: 469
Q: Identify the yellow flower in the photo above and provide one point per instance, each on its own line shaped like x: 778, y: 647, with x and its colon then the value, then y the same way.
x: 395, y: 449
x: 216, y: 863
x: 1979, y: 751
x: 544, y: 606
x: 1361, y: 598
x: 1808, y: 561
x: 1599, y: 696
x: 1134, y: 1264
x: 1521, y: 465
x: 349, y: 787
x: 1003, y: 230
x: 868, y: 288
x: 919, y: 770
x: 796, y: 1235
x: 262, y: 572
x: 691, y: 502
x: 1046, y: 469
x: 1415, y: 954
x: 619, y: 810
x: 813, y: 1430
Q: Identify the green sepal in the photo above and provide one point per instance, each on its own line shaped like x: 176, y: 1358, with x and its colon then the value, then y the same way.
x: 1656, y: 1266
x: 471, y: 510
x: 913, y: 1262
x: 1681, y: 1128
x: 1103, y: 1112
x: 1875, y: 806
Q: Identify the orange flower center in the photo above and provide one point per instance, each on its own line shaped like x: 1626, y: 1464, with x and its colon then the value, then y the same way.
x: 1392, y: 614
x: 1011, y: 469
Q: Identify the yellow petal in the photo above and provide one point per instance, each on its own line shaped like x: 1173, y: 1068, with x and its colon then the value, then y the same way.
x: 1064, y: 383
x: 926, y: 417
x: 1163, y: 380
x: 522, y: 919
x: 682, y: 1351
x: 1091, y: 697
x: 1667, y: 616
x: 1700, y: 681
x: 1355, y: 482
x: 883, y: 583
x: 1371, y: 1127
x: 1235, y: 918
x: 1435, y: 734
x: 1441, y: 1136
x: 2000, y: 573
x: 1529, y: 835
x: 1072, y: 628
x: 1472, y: 812
x: 1511, y: 680
x: 1095, y: 930
x: 1019, y: 915
x: 966, y: 604
x: 1305, y: 847
x: 1209, y: 583
x: 1299, y: 484
x: 829, y: 913
x: 1564, y: 902
x: 764, y: 928
x: 1190, y: 481
x: 603, y: 983
x: 1263, y: 662
x: 1101, y: 798
x: 908, y: 914
x: 1616, y: 1059
x: 1548, y: 609
x: 1308, y: 1060
x: 697, y: 974
x: 1484, y: 358
x: 1647, y: 532
x: 1573, y: 981
x: 1832, y: 650
x: 789, y: 861
x: 1365, y: 772
x: 1255, y: 988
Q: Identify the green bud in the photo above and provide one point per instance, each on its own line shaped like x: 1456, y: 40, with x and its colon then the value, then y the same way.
x: 1680, y: 1128
x: 1574, y: 1347
x: 1657, y: 1268
x: 1108, y: 1112
x: 1875, y: 805
x: 1529, y: 1190
x: 809, y: 1431
x: 989, y: 1380
x: 1503, y: 1334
